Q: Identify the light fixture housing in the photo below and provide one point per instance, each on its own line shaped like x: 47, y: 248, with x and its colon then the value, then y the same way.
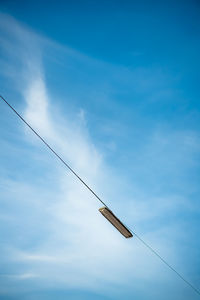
x: 108, y: 214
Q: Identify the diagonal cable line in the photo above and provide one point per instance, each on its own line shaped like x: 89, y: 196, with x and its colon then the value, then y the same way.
x: 166, y: 263
x: 54, y: 152
x: 99, y: 199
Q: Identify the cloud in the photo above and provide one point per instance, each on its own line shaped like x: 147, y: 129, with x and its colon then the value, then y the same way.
x: 76, y: 246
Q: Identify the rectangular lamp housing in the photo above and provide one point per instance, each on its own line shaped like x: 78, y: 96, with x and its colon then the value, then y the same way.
x: 108, y: 214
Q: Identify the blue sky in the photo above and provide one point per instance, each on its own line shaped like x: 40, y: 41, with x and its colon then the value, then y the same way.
x: 114, y: 88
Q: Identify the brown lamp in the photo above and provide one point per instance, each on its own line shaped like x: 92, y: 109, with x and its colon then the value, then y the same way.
x: 108, y: 214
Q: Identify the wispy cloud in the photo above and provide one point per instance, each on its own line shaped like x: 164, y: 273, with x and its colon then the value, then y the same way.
x: 77, y: 240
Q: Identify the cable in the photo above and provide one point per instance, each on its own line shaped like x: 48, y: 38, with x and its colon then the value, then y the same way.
x: 166, y: 263
x: 53, y: 151
x: 141, y: 240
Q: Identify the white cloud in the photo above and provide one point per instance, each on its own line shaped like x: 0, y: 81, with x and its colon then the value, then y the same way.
x: 78, y: 236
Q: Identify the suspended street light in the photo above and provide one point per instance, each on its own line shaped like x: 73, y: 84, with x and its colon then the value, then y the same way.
x: 108, y: 214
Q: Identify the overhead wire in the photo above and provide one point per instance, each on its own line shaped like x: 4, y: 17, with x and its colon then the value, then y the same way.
x: 165, y: 262
x: 98, y: 198
x: 54, y: 152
